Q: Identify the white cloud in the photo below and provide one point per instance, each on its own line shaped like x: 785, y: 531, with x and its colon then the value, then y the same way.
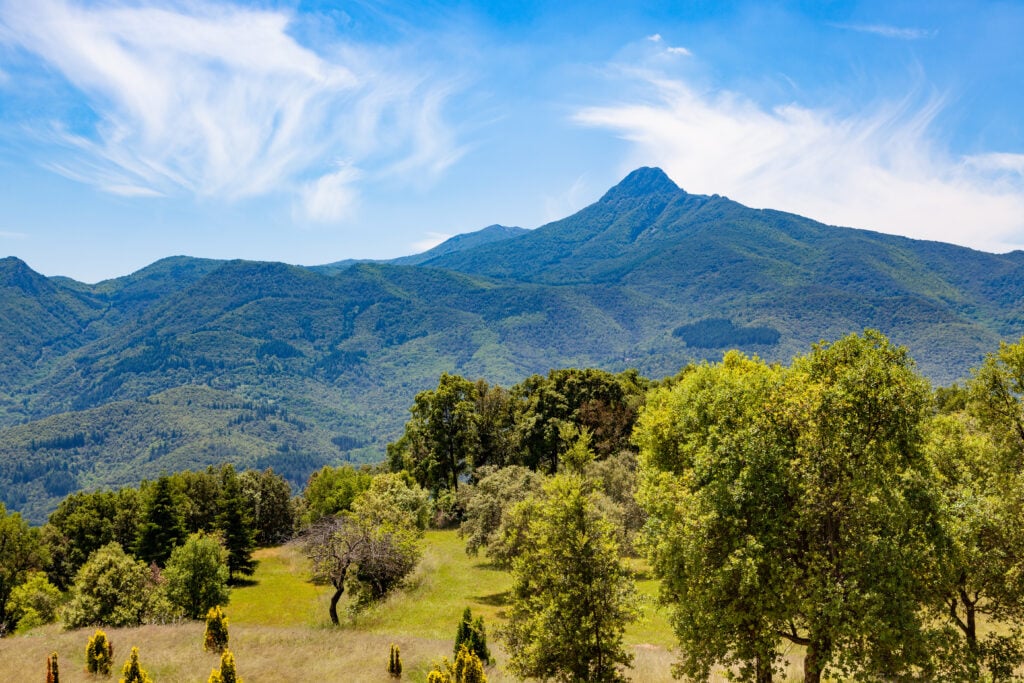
x: 331, y: 197
x: 887, y: 31
x: 654, y: 38
x: 880, y: 169
x: 218, y: 100
x: 429, y: 242
x: 679, y: 51
x: 568, y: 202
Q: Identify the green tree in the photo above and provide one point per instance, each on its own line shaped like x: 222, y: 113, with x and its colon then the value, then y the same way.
x: 798, y: 503
x: 85, y: 522
x: 133, y: 671
x: 441, y: 439
x: 35, y: 602
x: 21, y: 551
x: 369, y: 549
x: 977, y: 449
x: 488, y: 504
x: 603, y: 403
x: 161, y: 528
x: 716, y: 487
x: 269, y: 500
x: 472, y: 635
x: 572, y: 597
x: 235, y: 526
x: 196, y: 576
x: 331, y: 490
x: 114, y: 589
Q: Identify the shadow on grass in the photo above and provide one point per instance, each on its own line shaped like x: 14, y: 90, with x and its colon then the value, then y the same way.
x: 243, y: 583
x: 494, y: 599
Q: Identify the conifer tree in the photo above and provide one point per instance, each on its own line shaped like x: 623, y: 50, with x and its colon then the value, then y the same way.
x: 226, y: 673
x: 395, y: 662
x: 161, y: 529
x: 468, y: 667
x: 473, y: 635
x: 99, y: 654
x: 133, y: 671
x: 236, y: 527
x: 216, y: 637
x: 52, y: 672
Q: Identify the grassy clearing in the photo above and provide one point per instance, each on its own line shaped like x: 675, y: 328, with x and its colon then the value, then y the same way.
x: 280, y: 630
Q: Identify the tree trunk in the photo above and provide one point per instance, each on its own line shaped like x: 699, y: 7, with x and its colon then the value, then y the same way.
x: 814, y: 660
x: 334, y: 603
x: 763, y: 666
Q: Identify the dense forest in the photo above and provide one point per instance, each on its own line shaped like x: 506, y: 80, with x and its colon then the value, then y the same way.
x: 836, y: 510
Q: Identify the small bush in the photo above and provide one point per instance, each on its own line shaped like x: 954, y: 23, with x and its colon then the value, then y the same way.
x: 99, y: 654
x: 473, y: 635
x: 216, y: 637
x: 133, y: 671
x: 52, y: 672
x: 395, y: 662
x: 226, y: 673
x: 468, y: 667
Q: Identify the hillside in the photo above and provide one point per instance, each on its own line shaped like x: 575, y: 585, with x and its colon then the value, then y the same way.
x: 648, y: 277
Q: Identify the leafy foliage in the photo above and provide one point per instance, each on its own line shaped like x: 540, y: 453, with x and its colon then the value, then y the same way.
x: 472, y: 636
x: 572, y: 597
x: 395, y: 662
x: 226, y: 672
x: 20, y: 552
x: 34, y: 602
x: 795, y: 502
x: 196, y: 576
x: 113, y: 589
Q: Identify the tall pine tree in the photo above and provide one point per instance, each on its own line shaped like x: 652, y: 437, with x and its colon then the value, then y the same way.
x: 161, y: 529
x: 235, y: 526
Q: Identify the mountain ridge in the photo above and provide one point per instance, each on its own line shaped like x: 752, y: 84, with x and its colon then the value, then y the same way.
x: 649, y: 276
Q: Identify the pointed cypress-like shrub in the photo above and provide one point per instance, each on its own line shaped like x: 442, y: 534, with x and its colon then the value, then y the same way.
x: 226, y: 673
x: 133, y: 671
x: 468, y: 667
x: 99, y: 654
x: 216, y: 637
x: 473, y: 635
x: 52, y: 671
x: 395, y: 662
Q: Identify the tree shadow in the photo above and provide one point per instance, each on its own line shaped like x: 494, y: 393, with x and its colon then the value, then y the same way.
x: 494, y: 599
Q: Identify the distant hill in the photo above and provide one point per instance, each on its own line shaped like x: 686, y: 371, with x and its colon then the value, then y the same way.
x: 96, y: 380
x: 468, y: 240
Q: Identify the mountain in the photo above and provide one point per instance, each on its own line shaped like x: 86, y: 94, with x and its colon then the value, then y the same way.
x: 488, y: 235
x: 190, y: 362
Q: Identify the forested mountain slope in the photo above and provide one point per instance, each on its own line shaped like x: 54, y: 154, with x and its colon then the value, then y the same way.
x: 648, y: 277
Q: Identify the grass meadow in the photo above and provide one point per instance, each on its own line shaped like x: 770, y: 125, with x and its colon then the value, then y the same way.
x: 280, y: 630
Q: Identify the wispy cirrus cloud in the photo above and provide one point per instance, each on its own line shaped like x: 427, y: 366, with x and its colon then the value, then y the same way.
x: 887, y: 31
x: 218, y: 100
x: 881, y: 168
x: 430, y: 241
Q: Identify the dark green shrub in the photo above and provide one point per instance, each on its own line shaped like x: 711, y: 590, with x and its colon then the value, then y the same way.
x: 99, y: 654
x: 133, y: 671
x: 395, y: 662
x: 216, y: 637
x: 473, y: 635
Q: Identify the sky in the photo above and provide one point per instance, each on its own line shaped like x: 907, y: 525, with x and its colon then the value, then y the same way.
x: 312, y: 131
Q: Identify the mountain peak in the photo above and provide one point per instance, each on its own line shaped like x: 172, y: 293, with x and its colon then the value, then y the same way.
x: 643, y: 181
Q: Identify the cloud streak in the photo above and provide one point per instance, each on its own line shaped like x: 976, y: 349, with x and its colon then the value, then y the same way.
x: 886, y: 31
x: 878, y: 169
x: 220, y: 101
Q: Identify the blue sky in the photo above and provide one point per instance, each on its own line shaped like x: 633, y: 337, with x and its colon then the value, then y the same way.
x: 309, y: 132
